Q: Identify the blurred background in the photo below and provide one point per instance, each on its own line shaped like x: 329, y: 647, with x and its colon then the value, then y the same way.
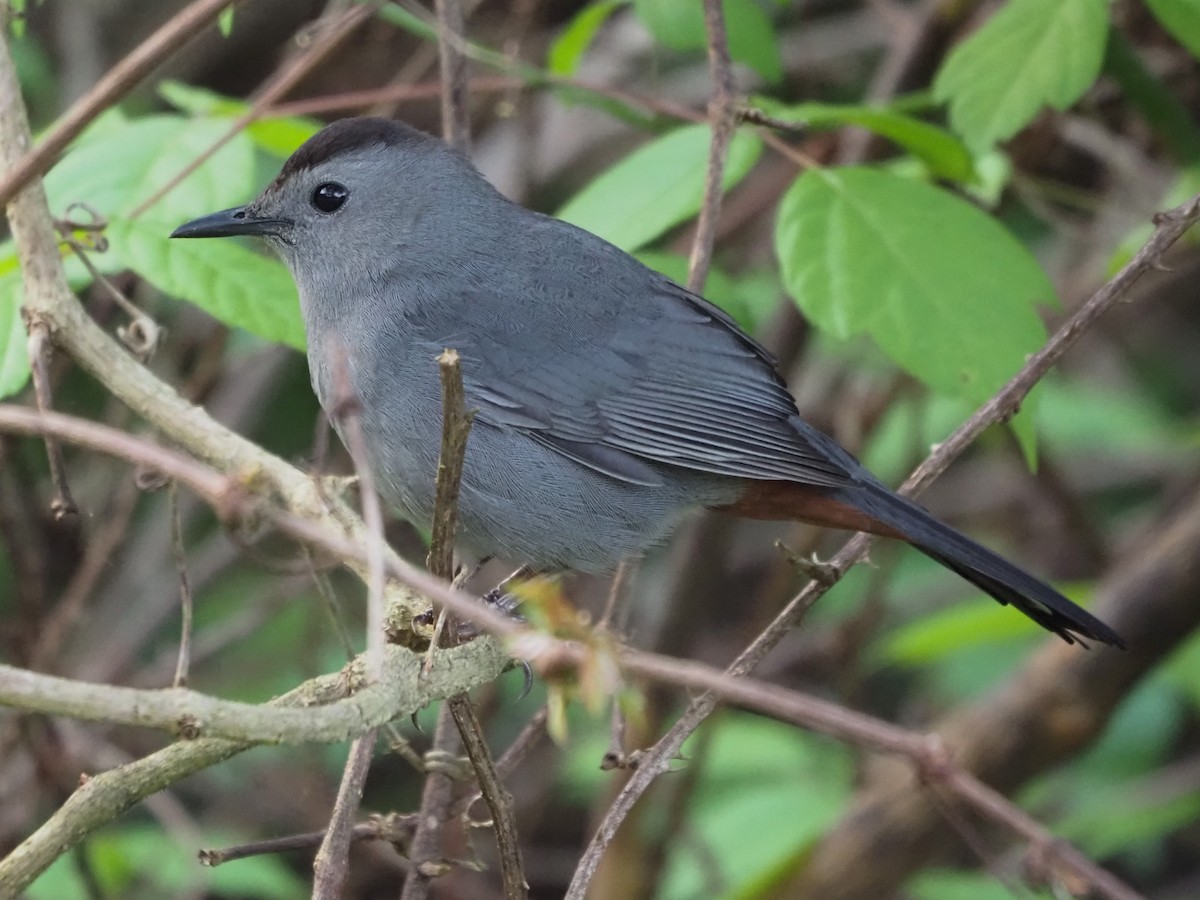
x: 96, y: 596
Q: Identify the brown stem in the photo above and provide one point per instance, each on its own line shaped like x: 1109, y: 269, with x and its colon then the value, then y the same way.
x: 117, y: 82
x: 332, y: 863
x: 435, y: 803
x: 63, y: 503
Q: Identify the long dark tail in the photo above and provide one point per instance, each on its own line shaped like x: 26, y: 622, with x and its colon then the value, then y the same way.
x: 978, y: 565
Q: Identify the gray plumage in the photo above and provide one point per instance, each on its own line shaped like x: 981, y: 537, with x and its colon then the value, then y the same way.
x: 610, y: 400
x: 601, y: 361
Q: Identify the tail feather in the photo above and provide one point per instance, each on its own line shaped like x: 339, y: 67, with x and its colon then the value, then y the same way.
x: 980, y: 566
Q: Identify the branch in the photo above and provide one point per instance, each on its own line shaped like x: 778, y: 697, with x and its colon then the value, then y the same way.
x: 101, y: 798
x: 722, y: 115
x: 456, y: 429
x: 401, y: 691
x: 118, y: 81
x: 450, y: 29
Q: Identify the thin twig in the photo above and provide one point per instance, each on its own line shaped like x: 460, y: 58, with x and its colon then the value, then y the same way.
x: 185, y: 590
x: 453, y: 64
x: 436, y: 797
x: 38, y: 348
x: 332, y: 863
x: 348, y: 413
x: 118, y: 81
x: 722, y: 116
x: 1169, y: 227
x: 499, y: 801
x: 393, y: 828
x: 456, y: 429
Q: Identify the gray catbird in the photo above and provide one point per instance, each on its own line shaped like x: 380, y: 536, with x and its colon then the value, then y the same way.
x: 610, y: 400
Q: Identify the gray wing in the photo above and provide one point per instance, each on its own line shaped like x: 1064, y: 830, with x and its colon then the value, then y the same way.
x: 633, y: 369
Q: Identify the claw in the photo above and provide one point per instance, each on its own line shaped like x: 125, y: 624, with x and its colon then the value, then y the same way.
x: 416, y: 724
x: 528, y: 686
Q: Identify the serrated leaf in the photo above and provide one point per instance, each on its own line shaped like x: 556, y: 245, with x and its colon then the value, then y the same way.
x: 942, y: 288
x: 231, y: 283
x: 1182, y: 19
x: 1030, y: 54
x: 656, y: 187
x: 569, y: 47
x: 679, y: 24
x: 943, y: 153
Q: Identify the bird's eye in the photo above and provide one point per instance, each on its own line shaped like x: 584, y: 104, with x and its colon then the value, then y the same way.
x: 329, y: 197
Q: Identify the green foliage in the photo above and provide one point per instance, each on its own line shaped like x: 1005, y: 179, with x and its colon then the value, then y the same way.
x: 225, y: 21
x: 679, y: 24
x: 944, y: 154
x: 116, y: 170
x: 229, y: 282
x: 1030, y: 54
x: 14, y: 361
x: 1182, y: 19
x: 656, y: 187
x: 943, y: 289
x: 950, y: 884
x: 567, y: 51
x: 278, y: 137
x: 755, y: 771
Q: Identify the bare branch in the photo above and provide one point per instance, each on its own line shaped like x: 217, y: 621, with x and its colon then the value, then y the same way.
x: 333, y: 859
x: 722, y: 115
x: 456, y: 430
x: 117, y: 82
x: 185, y: 591
x: 435, y: 803
x: 38, y: 347
x: 450, y: 28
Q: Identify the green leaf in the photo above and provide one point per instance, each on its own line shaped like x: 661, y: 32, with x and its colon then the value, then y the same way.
x: 977, y: 621
x: 950, y: 884
x: 765, y: 793
x: 118, y: 170
x: 679, y: 24
x: 1182, y: 19
x: 942, y: 288
x: 14, y: 360
x: 943, y: 153
x: 1030, y: 54
x: 225, y: 21
x: 568, y: 49
x: 277, y: 136
x: 1137, y: 814
x: 656, y: 187
x: 233, y: 284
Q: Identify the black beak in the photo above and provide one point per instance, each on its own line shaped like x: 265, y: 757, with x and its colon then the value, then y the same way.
x: 227, y: 223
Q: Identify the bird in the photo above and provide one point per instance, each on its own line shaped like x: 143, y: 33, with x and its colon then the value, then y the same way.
x: 610, y: 402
